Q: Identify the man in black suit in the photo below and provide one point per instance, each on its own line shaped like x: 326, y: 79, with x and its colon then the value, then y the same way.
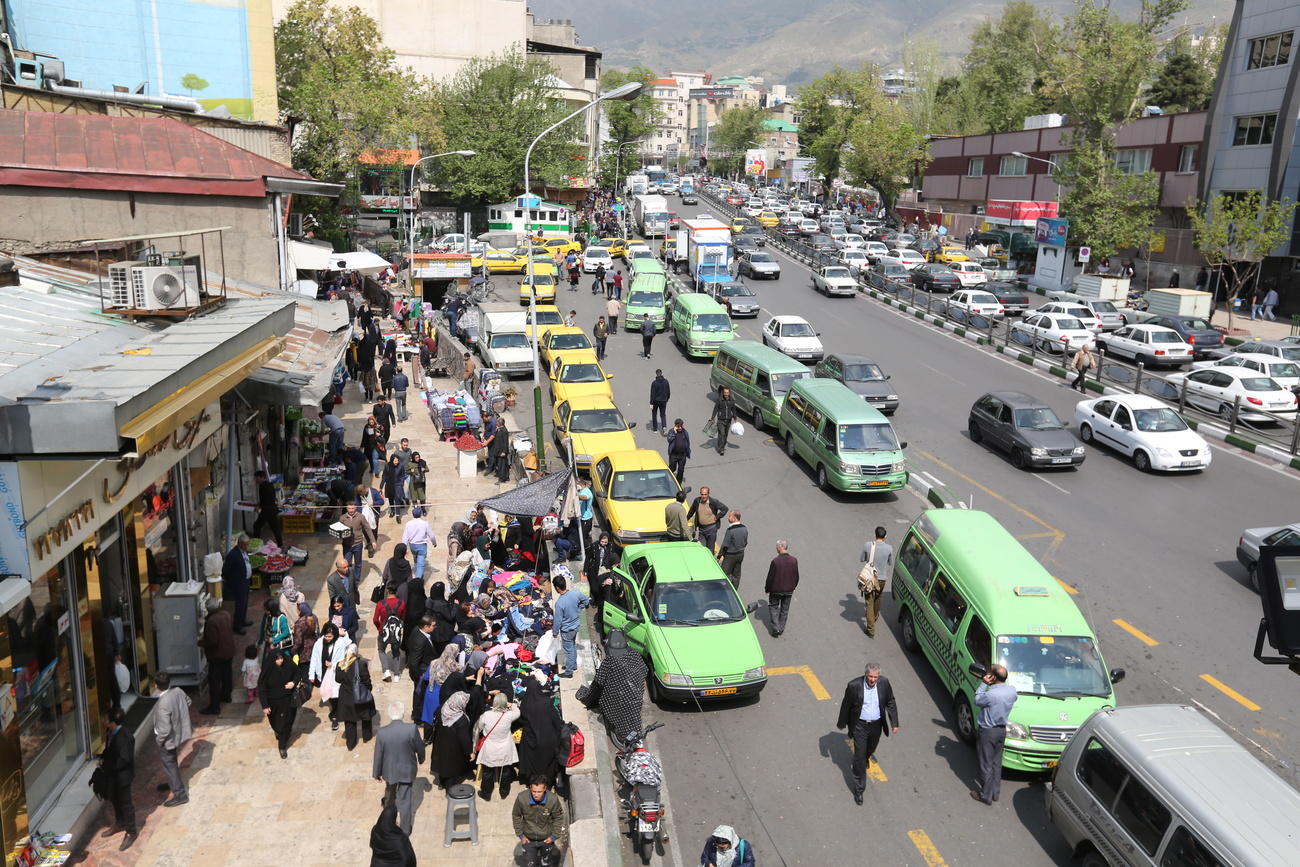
x: 867, y: 700
x: 419, y: 653
x: 237, y: 576
x: 399, y: 752
x: 118, y: 762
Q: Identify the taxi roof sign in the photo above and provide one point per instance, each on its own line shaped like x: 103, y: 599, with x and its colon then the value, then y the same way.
x: 1030, y: 590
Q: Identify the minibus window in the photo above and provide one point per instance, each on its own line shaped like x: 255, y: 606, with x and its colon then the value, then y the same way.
x: 1185, y: 850
x: 763, y: 384
x: 979, y: 643
x: 1142, y: 815
x: 947, y: 602
x: 1101, y: 772
x: 917, y: 562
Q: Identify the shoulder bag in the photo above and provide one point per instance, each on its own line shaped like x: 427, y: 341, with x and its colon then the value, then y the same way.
x: 482, y: 739
x: 868, y: 581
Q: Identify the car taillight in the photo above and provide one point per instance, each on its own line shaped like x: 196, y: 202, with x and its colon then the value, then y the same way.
x: 650, y: 815
x: 1160, y: 352
x: 1255, y: 401
x: 1191, y: 338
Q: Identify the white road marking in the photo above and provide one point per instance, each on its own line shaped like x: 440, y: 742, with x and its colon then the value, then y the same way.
x: 1050, y: 482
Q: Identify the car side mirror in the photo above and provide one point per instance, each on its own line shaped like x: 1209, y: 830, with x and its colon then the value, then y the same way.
x: 889, y: 376
x: 635, y: 618
x: 686, y: 490
x: 751, y: 608
x: 1126, y: 426
x: 1116, y: 675
x: 630, y: 424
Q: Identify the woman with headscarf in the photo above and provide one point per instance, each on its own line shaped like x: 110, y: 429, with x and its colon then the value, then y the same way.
x: 724, y: 848
x: 343, y: 614
x: 374, y: 440
x: 274, y: 632
x: 397, y: 571
x: 356, y: 697
x: 393, y: 487
x: 327, y: 653
x: 390, y: 846
x: 497, y: 757
x: 451, y: 742
x: 306, y: 629
x: 290, y: 597
x: 417, y: 470
x: 276, y: 690
x: 446, y: 614
x: 412, y: 593
x: 619, y: 683
x: 540, y: 742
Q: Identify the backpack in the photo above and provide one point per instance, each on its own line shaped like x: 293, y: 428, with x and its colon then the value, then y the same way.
x: 868, y: 580
x: 392, y: 634
x: 573, y: 746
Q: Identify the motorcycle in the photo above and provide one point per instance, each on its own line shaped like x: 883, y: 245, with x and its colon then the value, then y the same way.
x: 643, y: 774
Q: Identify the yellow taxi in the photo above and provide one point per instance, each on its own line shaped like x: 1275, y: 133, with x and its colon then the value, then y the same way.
x: 561, y: 246
x: 632, y: 490
x: 738, y: 224
x: 768, y: 219
x: 502, y: 262
x: 586, y: 426
x: 951, y: 254
x: 579, y: 374
x: 617, y: 246
x: 548, y: 317
x: 543, y: 279
x: 561, y: 340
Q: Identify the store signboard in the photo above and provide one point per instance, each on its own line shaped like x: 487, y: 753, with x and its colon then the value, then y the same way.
x: 13, y: 539
x: 1051, y: 232
x: 711, y: 93
x: 1018, y: 213
x: 96, y: 490
x: 441, y: 269
x: 388, y: 203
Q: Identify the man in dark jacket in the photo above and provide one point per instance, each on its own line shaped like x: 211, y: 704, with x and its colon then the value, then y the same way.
x: 538, y: 818
x: 118, y: 762
x: 732, y: 552
x: 647, y: 336
x: 782, y: 579
x: 707, y: 512
x: 867, y: 701
x: 679, y: 450
x: 383, y: 413
x: 399, y: 752
x: 724, y: 413
x: 419, y: 653
x: 660, y: 391
x: 236, y: 576
x: 218, y: 643
x: 400, y: 385
x: 268, y: 509
x: 386, y: 371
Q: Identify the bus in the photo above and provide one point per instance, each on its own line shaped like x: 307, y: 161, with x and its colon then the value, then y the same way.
x: 549, y: 219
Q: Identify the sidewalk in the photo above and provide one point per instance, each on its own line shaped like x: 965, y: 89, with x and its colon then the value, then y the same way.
x: 1244, y: 327
x: 247, y: 805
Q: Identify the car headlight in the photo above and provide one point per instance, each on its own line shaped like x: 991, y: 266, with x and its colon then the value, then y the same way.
x: 677, y: 679
x: 1164, y: 452
x: 582, y: 459
x: 754, y: 673
x: 1078, y: 450
x: 631, y: 534
x: 1038, y: 452
x: 891, y: 397
x: 849, y: 469
x: 1016, y: 730
x: 898, y: 466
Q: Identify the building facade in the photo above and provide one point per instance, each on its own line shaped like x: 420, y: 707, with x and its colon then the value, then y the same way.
x: 668, y: 141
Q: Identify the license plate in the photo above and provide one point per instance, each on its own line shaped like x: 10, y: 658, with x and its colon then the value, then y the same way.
x: 1060, y: 460
x: 643, y: 826
x: 1190, y: 464
x: 726, y: 690
x: 877, y: 484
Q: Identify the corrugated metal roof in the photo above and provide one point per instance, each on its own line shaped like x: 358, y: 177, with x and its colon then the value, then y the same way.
x: 140, y: 154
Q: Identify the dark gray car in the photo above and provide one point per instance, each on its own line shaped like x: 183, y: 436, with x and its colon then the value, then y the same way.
x: 1026, y: 428
x: 1194, y: 330
x: 863, y: 376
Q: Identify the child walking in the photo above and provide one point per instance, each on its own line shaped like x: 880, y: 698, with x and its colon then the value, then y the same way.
x: 252, y: 670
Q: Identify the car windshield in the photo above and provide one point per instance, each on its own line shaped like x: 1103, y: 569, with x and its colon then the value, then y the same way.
x: 797, y: 329
x: 1259, y: 383
x: 1103, y: 307
x: 981, y: 298
x: 1196, y: 324
x: 597, y: 253
x: 761, y: 257
x: 644, y: 485
x: 1166, y: 337
x: 597, y: 421
x: 864, y: 372
x: 713, y: 322
x: 1161, y: 420
x: 1067, y: 322
x: 990, y: 263
x: 867, y: 438
x: 509, y: 341
x: 1285, y: 369
x: 570, y: 341
x: 690, y: 603
x: 736, y: 290
x: 836, y: 272
x: 642, y: 254
x: 1053, y: 665
x: 581, y: 373
x: 542, y: 279
x: 1038, y: 418
x: 781, y: 382
x: 645, y: 299
x: 1291, y: 353
x: 549, y: 317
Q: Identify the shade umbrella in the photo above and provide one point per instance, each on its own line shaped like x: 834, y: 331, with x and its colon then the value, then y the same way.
x: 362, y: 260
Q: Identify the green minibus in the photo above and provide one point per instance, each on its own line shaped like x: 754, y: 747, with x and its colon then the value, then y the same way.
x: 699, y: 324
x: 849, y: 444
x: 759, y: 378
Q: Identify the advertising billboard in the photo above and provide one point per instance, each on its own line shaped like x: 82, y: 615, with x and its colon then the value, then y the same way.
x: 1051, y: 231
x: 1018, y: 213
x: 710, y: 93
x: 756, y: 161
x: 801, y: 169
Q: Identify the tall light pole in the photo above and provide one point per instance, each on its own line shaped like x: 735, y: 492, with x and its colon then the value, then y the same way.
x: 623, y: 91
x: 410, y: 233
x: 618, y: 173
x: 1045, y: 162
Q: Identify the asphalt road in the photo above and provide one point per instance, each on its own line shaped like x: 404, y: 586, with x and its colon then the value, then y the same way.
x: 1150, y: 556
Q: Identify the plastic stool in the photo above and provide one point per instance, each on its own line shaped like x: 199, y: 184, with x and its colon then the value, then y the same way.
x: 461, y: 797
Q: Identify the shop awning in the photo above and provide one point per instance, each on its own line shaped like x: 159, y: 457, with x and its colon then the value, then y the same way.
x: 303, y: 374
x: 531, y: 499
x: 310, y: 257
x: 362, y: 260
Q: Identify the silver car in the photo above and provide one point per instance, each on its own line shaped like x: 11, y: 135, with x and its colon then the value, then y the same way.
x: 1252, y: 540
x: 757, y: 263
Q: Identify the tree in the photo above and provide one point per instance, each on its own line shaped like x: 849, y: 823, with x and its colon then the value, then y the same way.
x: 850, y: 127
x: 192, y: 82
x: 1002, y: 74
x: 739, y: 129
x: 1186, y: 80
x: 1109, y: 210
x: 631, y: 119
x: 1236, y: 232
x: 496, y: 106
x: 922, y: 65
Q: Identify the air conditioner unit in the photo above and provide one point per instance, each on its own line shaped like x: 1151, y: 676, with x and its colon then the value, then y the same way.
x: 118, y: 294
x: 164, y: 288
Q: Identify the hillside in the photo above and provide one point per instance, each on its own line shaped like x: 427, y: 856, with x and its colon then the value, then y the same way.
x: 761, y: 37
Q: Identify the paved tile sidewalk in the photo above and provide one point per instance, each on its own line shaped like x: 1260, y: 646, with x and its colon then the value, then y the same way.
x: 247, y: 805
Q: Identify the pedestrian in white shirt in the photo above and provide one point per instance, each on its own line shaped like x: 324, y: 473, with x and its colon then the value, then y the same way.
x: 418, y: 537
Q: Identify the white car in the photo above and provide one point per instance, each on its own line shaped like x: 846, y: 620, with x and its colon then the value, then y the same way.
x: 855, y: 260
x: 1256, y: 395
x: 793, y: 336
x: 593, y: 257
x: 1054, y: 332
x: 1143, y: 428
x: 1152, y: 345
x: 977, y: 302
x: 1286, y: 373
x: 835, y: 280
x: 910, y: 258
x: 753, y: 208
x: 969, y: 273
x: 1078, y: 311
x: 874, y: 250
x: 634, y: 246
x: 850, y: 241
x: 809, y: 227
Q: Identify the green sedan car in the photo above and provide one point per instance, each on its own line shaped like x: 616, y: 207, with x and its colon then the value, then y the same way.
x: 681, y: 613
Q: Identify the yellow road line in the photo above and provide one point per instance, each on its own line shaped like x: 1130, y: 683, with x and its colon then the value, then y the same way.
x: 1135, y: 632
x: 875, y: 772
x: 1068, y: 588
x: 926, y: 847
x: 1230, y: 692
x: 819, y: 692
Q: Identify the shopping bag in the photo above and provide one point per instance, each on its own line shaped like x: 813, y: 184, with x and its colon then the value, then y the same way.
x: 369, y: 514
x: 329, y: 687
x: 737, y: 429
x: 548, y: 648
x: 710, y: 428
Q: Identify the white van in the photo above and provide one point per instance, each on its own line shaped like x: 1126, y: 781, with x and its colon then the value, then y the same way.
x: 1163, y: 785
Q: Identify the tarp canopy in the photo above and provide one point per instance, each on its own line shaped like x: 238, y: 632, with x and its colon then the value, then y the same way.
x: 531, y: 499
x: 361, y: 260
x: 310, y: 257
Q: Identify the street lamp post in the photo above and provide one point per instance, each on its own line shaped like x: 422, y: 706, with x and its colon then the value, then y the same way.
x: 1045, y: 162
x: 618, y: 174
x: 624, y: 91
x: 410, y: 233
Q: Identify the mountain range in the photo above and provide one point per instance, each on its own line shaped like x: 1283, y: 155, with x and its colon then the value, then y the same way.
x: 791, y: 42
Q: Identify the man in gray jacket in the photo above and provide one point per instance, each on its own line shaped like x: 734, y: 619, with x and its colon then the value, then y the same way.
x: 399, y: 752
x: 732, y: 553
x: 171, y: 729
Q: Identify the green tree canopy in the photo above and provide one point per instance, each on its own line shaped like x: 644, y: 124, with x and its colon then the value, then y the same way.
x: 1236, y: 232
x: 1002, y: 75
x: 1186, y: 80
x: 631, y: 119
x: 192, y: 82
x: 738, y: 129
